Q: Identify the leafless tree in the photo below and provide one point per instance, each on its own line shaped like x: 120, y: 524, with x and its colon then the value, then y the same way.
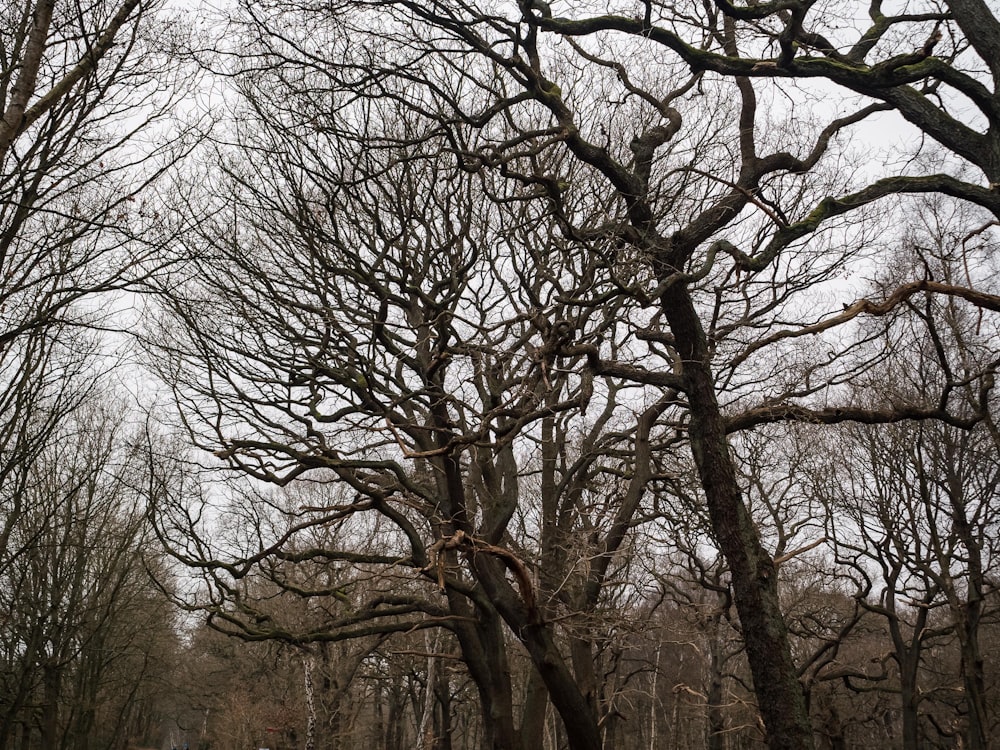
x: 913, y: 504
x: 453, y: 222
x: 85, y: 630
x: 82, y: 85
x: 79, y: 85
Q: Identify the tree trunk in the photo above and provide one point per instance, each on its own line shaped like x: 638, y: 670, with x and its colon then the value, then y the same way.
x: 485, y: 655
x: 716, y: 719
x: 307, y: 672
x: 394, y: 720
x: 442, y: 688
x: 582, y: 656
x: 754, y: 576
x: 908, y: 706
x: 567, y: 698
x: 425, y: 729
x: 536, y: 702
x: 975, y: 690
x: 51, y: 679
x: 578, y: 718
x: 968, y: 613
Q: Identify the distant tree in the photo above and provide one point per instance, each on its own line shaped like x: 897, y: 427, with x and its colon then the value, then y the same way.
x: 86, y: 631
x: 913, y: 505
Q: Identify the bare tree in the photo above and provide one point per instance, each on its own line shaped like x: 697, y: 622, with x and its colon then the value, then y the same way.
x: 916, y: 510
x: 81, y: 86
x: 78, y: 87
x: 85, y: 628
x: 682, y: 244
x: 430, y: 360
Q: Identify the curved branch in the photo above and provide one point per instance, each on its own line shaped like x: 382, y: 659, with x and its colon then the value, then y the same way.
x: 867, y: 307
x: 830, y: 207
x: 773, y: 413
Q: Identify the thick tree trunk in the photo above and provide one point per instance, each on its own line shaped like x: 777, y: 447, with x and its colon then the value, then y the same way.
x: 579, y: 719
x: 485, y: 655
x: 907, y: 656
x: 908, y: 705
x: 523, y: 618
x: 754, y: 577
x: 582, y: 656
x: 975, y: 690
x: 968, y: 613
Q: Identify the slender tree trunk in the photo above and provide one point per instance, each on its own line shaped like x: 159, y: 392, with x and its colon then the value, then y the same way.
x: 536, y: 702
x: 716, y: 719
x: 307, y: 671
x: 425, y: 730
x: 394, y: 722
x: 379, y: 730
x: 754, y: 577
x: 833, y: 728
x: 653, y: 702
x: 25, y: 739
x: 442, y: 688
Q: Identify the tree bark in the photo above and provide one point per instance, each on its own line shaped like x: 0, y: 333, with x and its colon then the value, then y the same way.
x: 425, y: 730
x: 51, y: 687
x: 485, y: 656
x: 716, y: 718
